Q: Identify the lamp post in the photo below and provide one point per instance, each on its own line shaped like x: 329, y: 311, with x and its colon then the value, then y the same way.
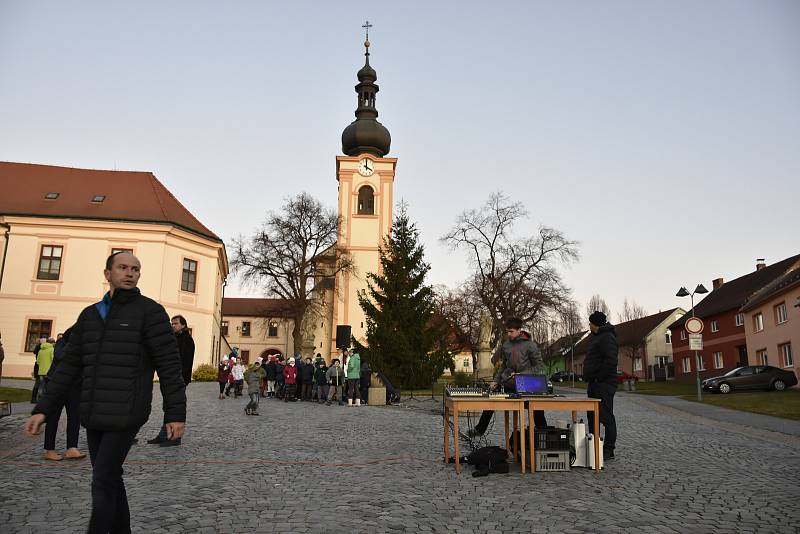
x: 682, y: 292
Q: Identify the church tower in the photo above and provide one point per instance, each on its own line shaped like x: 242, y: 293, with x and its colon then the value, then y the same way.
x: 366, y: 180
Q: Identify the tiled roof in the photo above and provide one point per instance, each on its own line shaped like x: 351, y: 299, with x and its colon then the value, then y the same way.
x: 632, y: 332
x: 734, y: 294
x: 783, y: 283
x: 127, y: 196
x: 255, y: 307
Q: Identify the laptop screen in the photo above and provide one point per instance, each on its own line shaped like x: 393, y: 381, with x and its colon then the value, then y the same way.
x: 536, y: 384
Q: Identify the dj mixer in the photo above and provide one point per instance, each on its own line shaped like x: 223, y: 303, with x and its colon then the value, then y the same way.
x: 452, y: 391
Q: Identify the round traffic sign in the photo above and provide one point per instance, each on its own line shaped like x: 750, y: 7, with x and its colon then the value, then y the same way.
x: 694, y: 325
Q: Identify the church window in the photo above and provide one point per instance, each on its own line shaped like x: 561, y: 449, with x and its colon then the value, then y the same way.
x: 366, y: 201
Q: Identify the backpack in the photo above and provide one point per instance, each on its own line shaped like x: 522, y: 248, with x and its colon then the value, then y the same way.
x: 487, y: 460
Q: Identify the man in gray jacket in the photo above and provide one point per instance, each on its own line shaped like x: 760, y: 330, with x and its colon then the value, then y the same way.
x: 519, y: 354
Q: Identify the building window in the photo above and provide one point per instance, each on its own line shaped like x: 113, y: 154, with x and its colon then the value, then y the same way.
x: 701, y: 365
x: 687, y: 365
x: 120, y: 250
x: 758, y: 322
x: 223, y: 328
x: 245, y: 356
x: 761, y: 357
x: 637, y: 363
x: 683, y: 335
x: 466, y: 363
x: 189, y: 277
x: 246, y: 328
x: 780, y: 313
x: 669, y: 337
x: 718, y: 363
x: 366, y: 201
x: 714, y: 326
x: 739, y: 319
x: 273, y: 329
x: 50, y: 262
x: 786, y: 352
x: 37, y: 329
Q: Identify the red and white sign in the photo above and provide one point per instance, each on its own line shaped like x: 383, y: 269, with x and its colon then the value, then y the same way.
x: 694, y: 325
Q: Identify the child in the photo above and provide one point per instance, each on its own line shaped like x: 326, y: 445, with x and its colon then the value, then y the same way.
x: 238, y: 378
x: 280, y: 385
x: 321, y: 381
x: 253, y: 377
x: 290, y: 378
x: 223, y: 373
x: 335, y: 376
x: 307, y: 379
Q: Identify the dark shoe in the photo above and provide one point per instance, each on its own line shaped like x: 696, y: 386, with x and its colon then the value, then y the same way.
x: 254, y: 413
x: 170, y: 442
x: 608, y: 454
x: 247, y: 411
x: 156, y: 440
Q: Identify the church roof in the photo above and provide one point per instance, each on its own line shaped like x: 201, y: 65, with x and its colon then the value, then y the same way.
x: 66, y: 192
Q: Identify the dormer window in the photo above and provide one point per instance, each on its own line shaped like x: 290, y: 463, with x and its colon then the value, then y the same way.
x: 51, y: 196
x: 97, y: 199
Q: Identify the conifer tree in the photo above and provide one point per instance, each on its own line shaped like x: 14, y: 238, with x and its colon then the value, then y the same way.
x: 405, y: 340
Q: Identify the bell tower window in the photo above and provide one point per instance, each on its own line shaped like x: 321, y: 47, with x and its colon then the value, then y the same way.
x: 366, y: 201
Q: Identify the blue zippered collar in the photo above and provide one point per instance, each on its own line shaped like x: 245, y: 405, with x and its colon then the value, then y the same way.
x: 105, y: 305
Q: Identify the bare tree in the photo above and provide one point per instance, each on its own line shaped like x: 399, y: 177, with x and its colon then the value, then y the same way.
x: 630, y: 311
x: 285, y: 257
x: 596, y: 303
x: 512, y: 277
x: 462, y: 311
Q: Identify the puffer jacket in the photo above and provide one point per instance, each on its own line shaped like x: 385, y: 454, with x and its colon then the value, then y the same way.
x: 45, y: 357
x: 520, y: 355
x: 354, y: 366
x: 116, y: 359
x: 186, y: 351
x: 335, y: 375
x: 252, y: 378
x: 600, y: 364
x: 290, y: 375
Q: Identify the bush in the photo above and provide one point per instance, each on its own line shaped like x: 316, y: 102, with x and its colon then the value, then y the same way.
x: 462, y: 380
x: 205, y: 373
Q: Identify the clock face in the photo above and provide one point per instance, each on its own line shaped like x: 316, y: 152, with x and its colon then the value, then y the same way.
x: 366, y: 167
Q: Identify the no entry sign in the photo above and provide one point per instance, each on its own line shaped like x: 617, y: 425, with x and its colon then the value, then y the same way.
x: 694, y: 325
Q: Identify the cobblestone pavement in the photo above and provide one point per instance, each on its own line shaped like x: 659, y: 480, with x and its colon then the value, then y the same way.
x: 303, y: 467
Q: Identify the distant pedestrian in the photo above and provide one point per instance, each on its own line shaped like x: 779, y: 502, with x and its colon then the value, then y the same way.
x: 290, y: 379
x: 44, y: 359
x: 270, y: 372
x: 223, y: 373
x: 335, y: 377
x: 280, y: 381
x: 320, y: 389
x: 73, y: 411
x: 600, y: 371
x: 366, y: 380
x: 253, y: 378
x: 238, y: 378
x: 307, y: 379
x: 354, y: 380
x: 117, y: 383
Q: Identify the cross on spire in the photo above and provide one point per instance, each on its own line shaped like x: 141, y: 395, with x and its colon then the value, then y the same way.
x: 367, y: 26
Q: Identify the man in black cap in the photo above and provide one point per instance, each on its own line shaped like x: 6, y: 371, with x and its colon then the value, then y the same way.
x: 600, y: 371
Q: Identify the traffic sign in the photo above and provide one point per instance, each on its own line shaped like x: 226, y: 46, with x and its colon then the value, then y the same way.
x: 694, y: 325
x: 695, y: 341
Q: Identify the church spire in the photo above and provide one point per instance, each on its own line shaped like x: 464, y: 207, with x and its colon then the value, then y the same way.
x: 366, y: 134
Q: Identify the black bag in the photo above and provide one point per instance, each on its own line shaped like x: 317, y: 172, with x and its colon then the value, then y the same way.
x: 488, y: 460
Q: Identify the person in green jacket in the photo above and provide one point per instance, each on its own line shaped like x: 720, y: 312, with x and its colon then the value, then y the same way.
x: 253, y: 377
x: 44, y: 359
x: 353, y: 374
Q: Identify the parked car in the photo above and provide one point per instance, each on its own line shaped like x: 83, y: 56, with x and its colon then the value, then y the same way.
x: 564, y: 376
x: 622, y: 376
x: 751, y: 377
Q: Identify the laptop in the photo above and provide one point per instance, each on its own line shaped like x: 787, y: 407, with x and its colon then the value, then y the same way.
x: 531, y: 385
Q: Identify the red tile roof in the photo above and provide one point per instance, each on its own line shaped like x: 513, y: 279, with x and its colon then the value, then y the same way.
x: 254, y: 307
x: 734, y: 294
x: 129, y: 196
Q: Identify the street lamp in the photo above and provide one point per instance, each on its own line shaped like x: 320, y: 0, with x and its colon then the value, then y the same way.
x: 682, y: 292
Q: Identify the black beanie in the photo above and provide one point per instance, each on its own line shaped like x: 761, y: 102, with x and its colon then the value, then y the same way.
x: 598, y: 318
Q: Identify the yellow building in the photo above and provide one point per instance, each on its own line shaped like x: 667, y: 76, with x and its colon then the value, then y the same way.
x: 58, y: 227
x: 258, y: 327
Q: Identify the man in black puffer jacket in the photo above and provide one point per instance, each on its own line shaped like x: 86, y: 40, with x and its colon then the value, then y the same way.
x: 115, y: 347
x: 600, y: 371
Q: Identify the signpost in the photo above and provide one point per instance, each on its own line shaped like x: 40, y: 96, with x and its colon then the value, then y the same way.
x: 695, y: 342
x: 694, y: 326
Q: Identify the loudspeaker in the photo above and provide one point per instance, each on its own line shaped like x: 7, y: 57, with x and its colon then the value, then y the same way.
x: 342, y: 336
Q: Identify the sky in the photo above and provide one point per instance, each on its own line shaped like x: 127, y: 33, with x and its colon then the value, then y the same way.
x: 662, y: 136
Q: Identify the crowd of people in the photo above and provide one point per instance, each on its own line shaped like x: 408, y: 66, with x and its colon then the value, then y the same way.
x: 295, y: 379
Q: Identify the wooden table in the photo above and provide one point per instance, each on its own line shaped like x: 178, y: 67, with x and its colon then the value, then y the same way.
x: 456, y: 405
x: 564, y: 404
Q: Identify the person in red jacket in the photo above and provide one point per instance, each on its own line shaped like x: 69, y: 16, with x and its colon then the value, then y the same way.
x: 290, y: 378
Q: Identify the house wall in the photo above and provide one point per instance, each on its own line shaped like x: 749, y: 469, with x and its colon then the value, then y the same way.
x: 259, y: 342
x: 727, y: 340
x: 86, y: 245
x: 774, y: 334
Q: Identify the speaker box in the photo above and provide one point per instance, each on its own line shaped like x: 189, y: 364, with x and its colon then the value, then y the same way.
x: 342, y: 336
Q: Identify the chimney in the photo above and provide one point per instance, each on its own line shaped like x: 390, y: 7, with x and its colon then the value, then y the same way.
x: 760, y: 264
x: 717, y: 283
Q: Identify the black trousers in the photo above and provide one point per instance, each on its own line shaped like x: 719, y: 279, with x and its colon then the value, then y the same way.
x: 110, y: 513
x: 604, y: 392
x: 73, y: 422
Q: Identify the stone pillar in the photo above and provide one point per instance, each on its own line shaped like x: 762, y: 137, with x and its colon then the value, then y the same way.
x: 485, y: 367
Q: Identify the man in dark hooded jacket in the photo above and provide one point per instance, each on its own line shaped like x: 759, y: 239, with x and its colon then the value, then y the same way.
x: 600, y: 371
x: 519, y: 354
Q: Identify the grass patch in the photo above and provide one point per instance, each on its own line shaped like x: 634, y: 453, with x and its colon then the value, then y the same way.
x: 785, y: 404
x: 672, y: 388
x: 15, y: 394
